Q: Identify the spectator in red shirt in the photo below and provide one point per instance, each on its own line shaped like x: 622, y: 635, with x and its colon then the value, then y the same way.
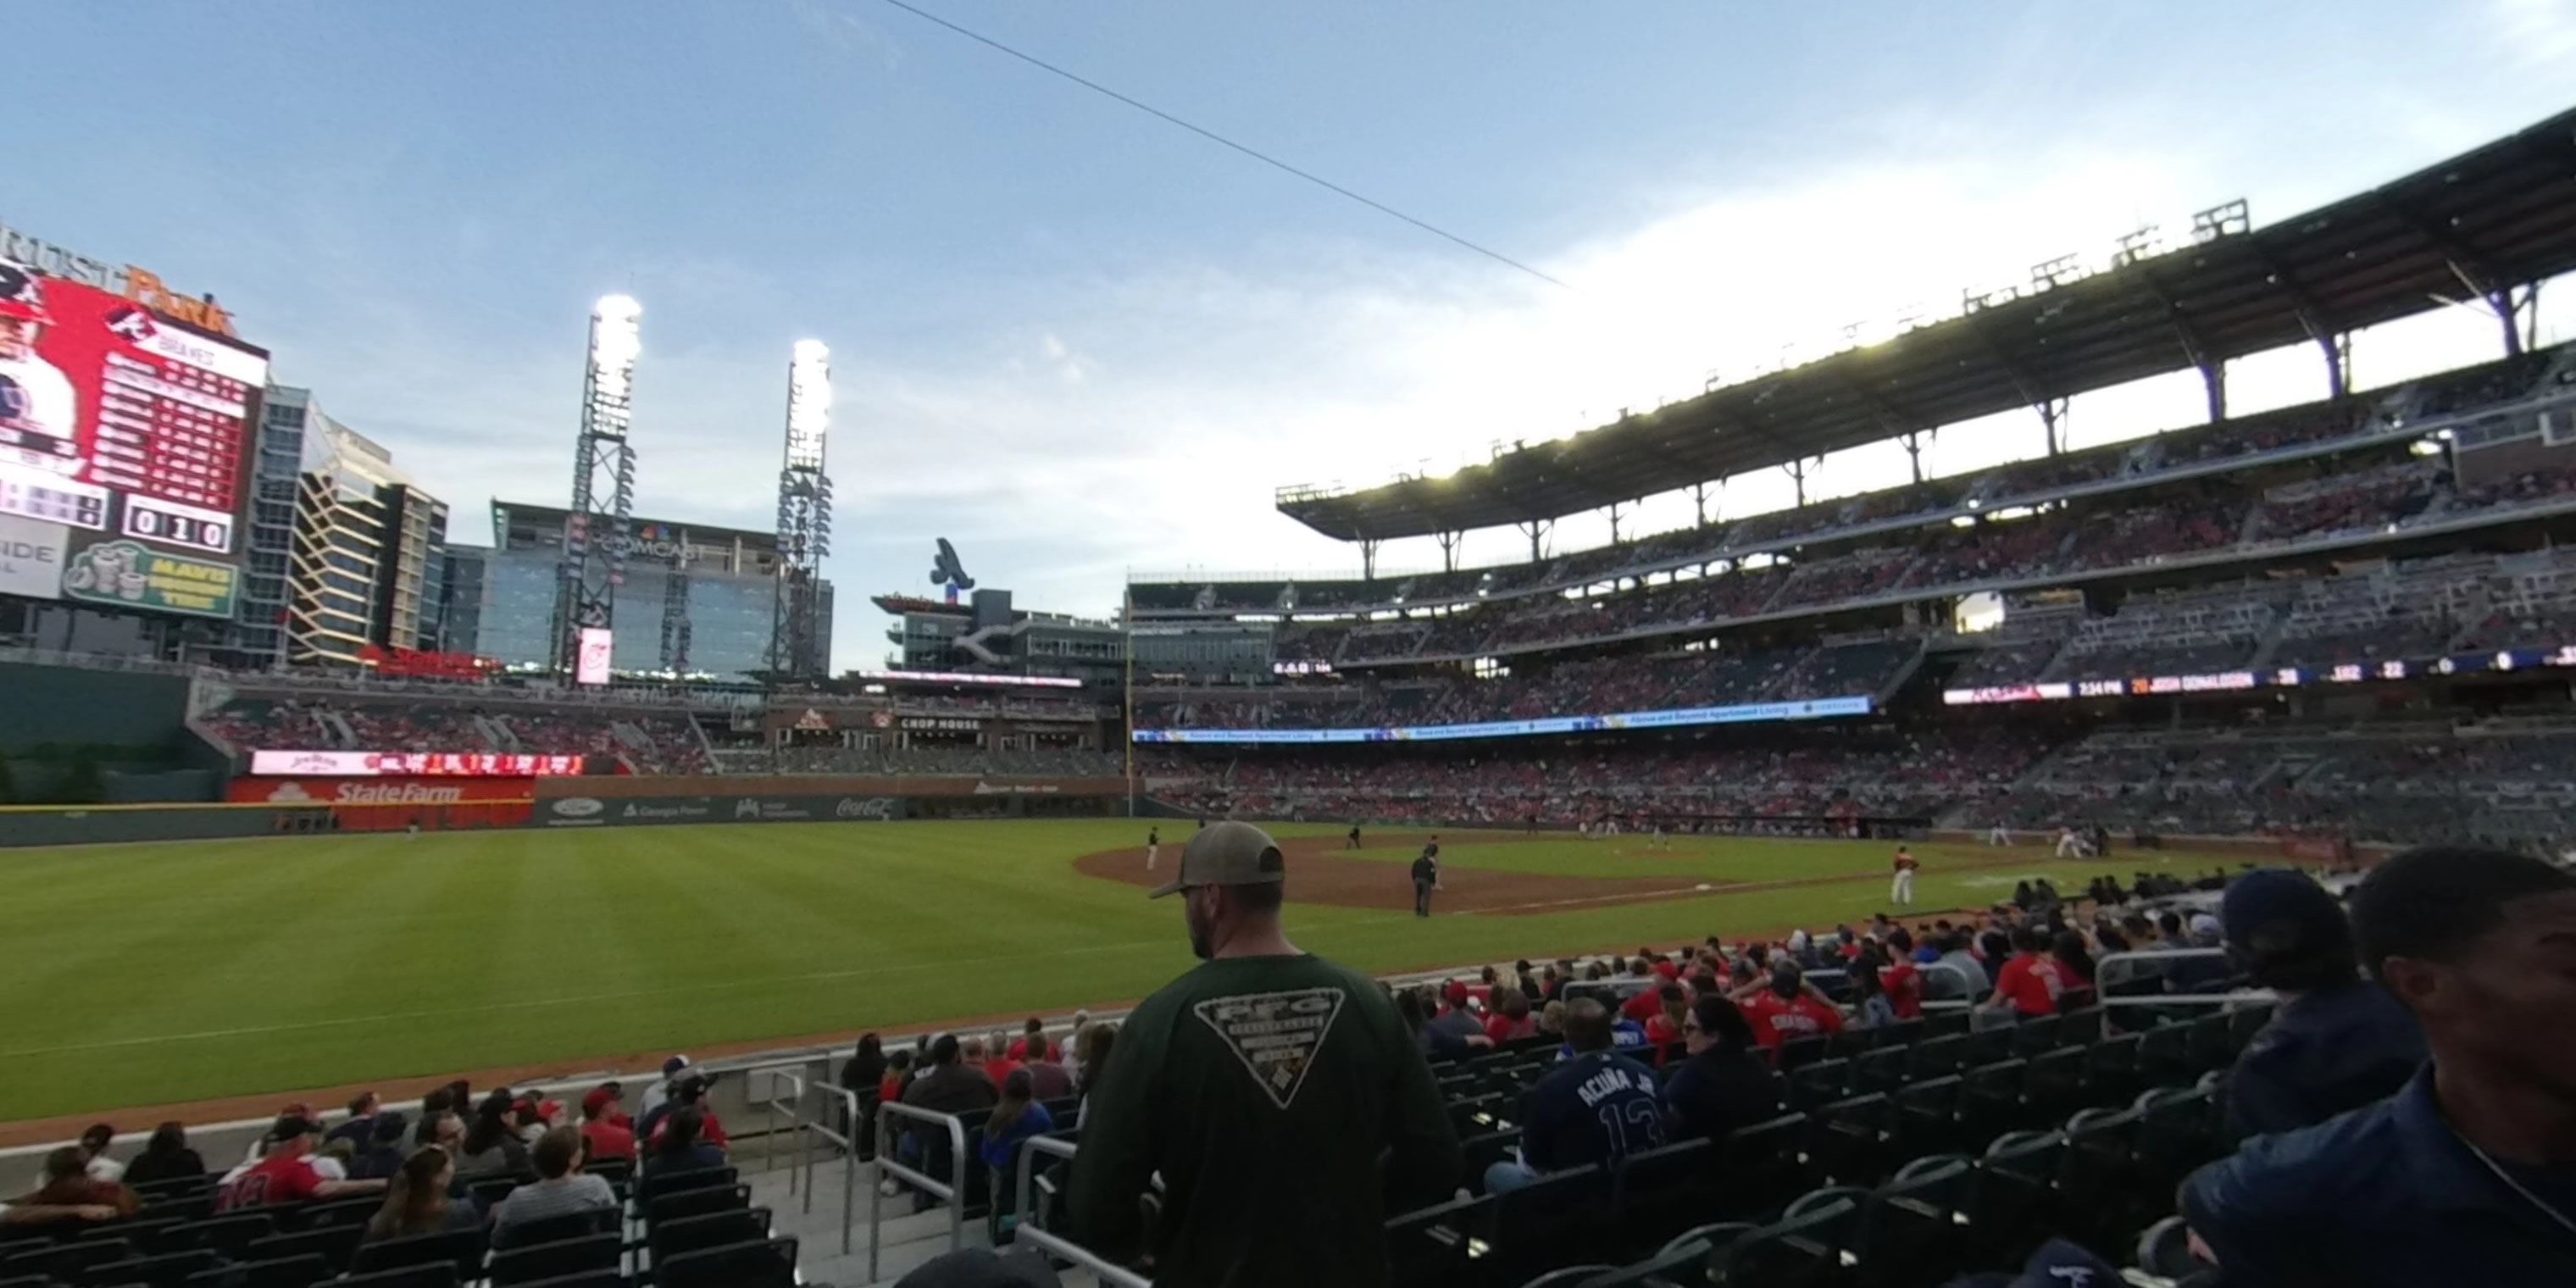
x: 603, y: 1129
x: 1511, y: 1019
x: 691, y: 1093
x: 1001, y: 1062
x: 286, y: 1174
x: 1900, y: 978
x: 2030, y: 982
x: 1646, y: 1002
x: 1664, y: 1027
x: 1788, y: 1007
x: 1034, y: 1031
x: 68, y: 1183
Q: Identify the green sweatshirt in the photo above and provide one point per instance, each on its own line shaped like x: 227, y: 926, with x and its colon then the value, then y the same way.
x: 1265, y: 1090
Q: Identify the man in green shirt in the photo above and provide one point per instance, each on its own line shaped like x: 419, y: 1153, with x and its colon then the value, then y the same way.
x: 1264, y: 1087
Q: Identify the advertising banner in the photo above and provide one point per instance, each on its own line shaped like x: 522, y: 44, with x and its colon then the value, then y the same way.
x: 426, y: 764
x: 591, y: 666
x: 378, y: 790
x: 31, y: 557
x: 113, y: 421
x: 593, y: 811
x: 126, y: 574
x: 1672, y: 718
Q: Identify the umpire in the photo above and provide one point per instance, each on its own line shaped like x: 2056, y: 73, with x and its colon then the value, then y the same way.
x: 1426, y: 877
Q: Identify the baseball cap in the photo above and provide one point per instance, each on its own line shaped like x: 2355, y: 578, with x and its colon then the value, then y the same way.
x: 1227, y: 854
x: 674, y: 1065
x: 2204, y: 924
x: 601, y: 1097
x: 290, y: 1126
x: 2279, y: 897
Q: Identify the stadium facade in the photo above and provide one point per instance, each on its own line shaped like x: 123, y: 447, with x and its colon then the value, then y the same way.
x: 692, y: 598
x: 982, y: 632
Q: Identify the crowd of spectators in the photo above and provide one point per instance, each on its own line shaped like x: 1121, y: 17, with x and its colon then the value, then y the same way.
x: 2077, y: 538
x: 648, y: 741
x: 934, y: 760
x: 1578, y: 687
x: 2168, y: 527
x: 1699, y: 785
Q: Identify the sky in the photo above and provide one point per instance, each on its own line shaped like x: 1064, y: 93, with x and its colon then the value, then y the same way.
x: 1083, y: 344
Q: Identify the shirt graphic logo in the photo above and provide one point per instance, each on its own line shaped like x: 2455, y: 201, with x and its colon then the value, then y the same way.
x: 1275, y: 1035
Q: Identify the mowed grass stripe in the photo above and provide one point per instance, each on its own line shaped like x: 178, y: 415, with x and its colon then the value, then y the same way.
x: 171, y: 972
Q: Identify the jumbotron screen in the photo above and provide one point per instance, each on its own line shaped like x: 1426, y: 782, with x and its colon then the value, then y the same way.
x: 118, y: 423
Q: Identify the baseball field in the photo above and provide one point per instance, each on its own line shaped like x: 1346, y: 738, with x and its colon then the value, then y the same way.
x: 145, y: 981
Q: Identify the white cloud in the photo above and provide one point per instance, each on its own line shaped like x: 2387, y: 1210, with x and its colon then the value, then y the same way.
x: 2535, y: 32
x: 1196, y: 389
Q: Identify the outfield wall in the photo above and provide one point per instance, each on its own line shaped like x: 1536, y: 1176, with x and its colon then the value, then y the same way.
x: 318, y: 806
x: 628, y: 801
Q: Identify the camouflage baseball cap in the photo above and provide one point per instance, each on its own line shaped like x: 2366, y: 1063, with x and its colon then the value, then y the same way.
x: 1227, y: 854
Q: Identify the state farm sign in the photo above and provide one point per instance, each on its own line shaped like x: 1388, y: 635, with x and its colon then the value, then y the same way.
x: 377, y: 791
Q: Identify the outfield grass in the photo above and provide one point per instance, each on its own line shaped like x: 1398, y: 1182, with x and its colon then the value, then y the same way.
x: 146, y: 974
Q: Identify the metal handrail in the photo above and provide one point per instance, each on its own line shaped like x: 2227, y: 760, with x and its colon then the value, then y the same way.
x: 951, y: 1191
x: 809, y: 1128
x: 2101, y: 965
x: 1027, y: 1229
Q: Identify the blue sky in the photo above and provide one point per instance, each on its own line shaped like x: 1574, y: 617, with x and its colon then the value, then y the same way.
x: 1077, y: 341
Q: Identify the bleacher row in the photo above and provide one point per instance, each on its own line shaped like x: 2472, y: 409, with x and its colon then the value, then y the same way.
x: 648, y: 741
x: 2453, y: 605
x: 680, y: 1229
x: 2295, y: 509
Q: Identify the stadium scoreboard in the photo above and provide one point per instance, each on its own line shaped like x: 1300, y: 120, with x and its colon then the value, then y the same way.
x: 124, y: 448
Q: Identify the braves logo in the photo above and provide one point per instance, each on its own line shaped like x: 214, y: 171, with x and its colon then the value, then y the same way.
x: 946, y: 570
x: 131, y: 323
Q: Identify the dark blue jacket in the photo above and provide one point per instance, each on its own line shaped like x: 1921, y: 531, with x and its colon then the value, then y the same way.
x: 1594, y: 1108
x: 2322, y: 1055
x: 2383, y: 1197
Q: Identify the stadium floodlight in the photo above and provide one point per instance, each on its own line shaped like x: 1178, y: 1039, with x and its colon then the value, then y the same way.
x: 615, y: 341
x: 809, y: 404
x: 603, y: 481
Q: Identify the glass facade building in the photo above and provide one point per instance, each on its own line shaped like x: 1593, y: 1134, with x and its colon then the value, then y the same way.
x: 697, y: 600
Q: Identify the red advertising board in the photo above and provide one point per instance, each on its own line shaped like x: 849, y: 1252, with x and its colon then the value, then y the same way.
x: 420, y: 764
x: 377, y: 791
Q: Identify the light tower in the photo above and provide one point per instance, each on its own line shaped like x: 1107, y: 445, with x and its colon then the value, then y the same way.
x: 796, y: 647
x: 603, y: 494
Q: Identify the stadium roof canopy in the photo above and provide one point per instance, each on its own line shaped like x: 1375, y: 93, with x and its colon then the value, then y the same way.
x: 2477, y: 224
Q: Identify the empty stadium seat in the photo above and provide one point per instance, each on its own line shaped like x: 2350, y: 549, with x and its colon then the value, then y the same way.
x: 699, y: 1201
x: 535, y: 1262
x: 282, y: 1272
x: 743, y: 1265
x: 337, y: 1245
x: 168, y: 1270
x: 427, y: 1274
x: 669, y: 1239
x: 462, y: 1249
